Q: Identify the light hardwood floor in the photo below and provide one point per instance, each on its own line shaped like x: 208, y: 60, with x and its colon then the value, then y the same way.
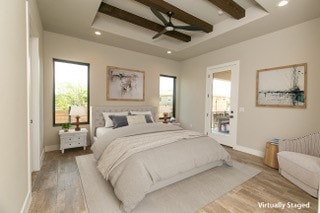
x: 57, y: 188
x: 268, y: 187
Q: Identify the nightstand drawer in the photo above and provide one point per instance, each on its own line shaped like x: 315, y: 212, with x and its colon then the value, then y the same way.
x: 78, y: 138
x: 73, y: 144
x: 72, y: 136
x: 66, y: 139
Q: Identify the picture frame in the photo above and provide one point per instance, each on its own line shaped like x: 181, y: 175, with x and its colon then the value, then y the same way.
x: 125, y: 84
x: 284, y: 86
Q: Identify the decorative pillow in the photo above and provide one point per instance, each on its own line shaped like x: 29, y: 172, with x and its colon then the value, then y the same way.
x: 136, y: 119
x: 142, y: 113
x: 108, y: 121
x: 119, y: 120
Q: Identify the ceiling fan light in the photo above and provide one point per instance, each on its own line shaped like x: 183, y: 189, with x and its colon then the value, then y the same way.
x: 283, y: 3
x: 169, y: 28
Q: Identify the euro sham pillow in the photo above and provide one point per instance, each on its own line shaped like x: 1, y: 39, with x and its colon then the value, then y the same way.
x: 108, y: 122
x: 136, y: 119
x: 143, y: 113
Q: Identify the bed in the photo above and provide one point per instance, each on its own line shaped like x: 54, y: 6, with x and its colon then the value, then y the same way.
x: 140, y: 158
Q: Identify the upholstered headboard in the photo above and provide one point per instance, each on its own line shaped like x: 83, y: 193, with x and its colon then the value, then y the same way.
x: 97, y: 120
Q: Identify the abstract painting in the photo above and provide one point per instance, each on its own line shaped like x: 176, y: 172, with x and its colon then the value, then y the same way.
x: 125, y: 84
x: 282, y: 86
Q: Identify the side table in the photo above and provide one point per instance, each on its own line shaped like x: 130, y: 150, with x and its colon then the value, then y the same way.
x: 270, y: 157
x: 72, y: 139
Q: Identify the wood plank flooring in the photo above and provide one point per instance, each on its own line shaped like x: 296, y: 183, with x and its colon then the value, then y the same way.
x: 57, y: 188
x: 268, y: 187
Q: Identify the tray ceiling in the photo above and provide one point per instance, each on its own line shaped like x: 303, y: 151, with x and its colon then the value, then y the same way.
x: 81, y: 18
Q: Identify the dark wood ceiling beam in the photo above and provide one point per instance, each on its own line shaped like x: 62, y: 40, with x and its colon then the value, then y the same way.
x: 164, y: 7
x: 142, y: 22
x: 230, y: 7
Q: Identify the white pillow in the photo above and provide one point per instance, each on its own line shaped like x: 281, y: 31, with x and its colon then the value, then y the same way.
x: 136, y: 119
x: 108, y: 122
x: 142, y: 113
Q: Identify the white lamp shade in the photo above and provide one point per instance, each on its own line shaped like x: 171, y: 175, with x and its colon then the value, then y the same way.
x: 77, y: 111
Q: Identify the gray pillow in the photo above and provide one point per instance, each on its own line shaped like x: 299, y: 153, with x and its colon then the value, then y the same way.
x: 119, y: 120
x: 148, y: 118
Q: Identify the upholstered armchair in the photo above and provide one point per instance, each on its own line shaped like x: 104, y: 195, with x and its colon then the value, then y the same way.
x: 299, y: 162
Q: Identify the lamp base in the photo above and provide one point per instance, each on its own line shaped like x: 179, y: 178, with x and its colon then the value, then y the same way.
x: 77, y: 124
x: 165, y: 117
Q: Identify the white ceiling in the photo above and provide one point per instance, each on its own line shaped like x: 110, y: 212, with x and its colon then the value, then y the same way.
x: 79, y: 18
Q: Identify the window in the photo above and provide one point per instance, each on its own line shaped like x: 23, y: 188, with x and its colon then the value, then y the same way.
x: 167, y: 95
x: 70, y: 88
x: 221, y: 90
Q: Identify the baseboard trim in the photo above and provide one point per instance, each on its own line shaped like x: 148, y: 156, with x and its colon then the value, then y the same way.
x: 249, y: 150
x: 26, y: 203
x: 51, y: 148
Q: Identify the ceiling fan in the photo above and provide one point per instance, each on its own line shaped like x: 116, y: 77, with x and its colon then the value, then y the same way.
x: 168, y: 26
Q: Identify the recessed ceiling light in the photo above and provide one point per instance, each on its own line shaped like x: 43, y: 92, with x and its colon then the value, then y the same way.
x: 169, y: 52
x: 220, y: 12
x: 283, y: 3
x: 97, y: 32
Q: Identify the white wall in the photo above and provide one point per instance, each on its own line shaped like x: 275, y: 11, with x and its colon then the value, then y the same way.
x: 99, y: 56
x: 13, y: 93
x: 297, y: 44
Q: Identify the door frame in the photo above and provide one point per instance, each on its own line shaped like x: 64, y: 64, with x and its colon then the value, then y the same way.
x: 34, y: 95
x: 234, y: 66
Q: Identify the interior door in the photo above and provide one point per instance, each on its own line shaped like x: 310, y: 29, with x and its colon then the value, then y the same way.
x: 34, y: 95
x: 222, y: 103
x: 34, y: 104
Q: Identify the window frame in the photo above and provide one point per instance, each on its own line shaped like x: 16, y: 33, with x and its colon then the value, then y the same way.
x: 54, y: 88
x: 174, y: 93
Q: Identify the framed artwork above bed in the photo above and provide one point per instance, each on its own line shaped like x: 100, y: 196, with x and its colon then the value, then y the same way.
x: 125, y: 84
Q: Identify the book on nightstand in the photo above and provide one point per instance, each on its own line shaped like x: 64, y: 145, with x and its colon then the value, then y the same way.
x: 275, y: 141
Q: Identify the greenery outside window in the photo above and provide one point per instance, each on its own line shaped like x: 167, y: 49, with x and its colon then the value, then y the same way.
x: 167, y: 96
x: 70, y: 88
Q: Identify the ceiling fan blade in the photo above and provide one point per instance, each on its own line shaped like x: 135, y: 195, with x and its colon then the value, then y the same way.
x: 158, y: 14
x: 160, y: 33
x: 191, y: 28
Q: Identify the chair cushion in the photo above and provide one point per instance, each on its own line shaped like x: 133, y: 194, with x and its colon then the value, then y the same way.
x: 305, y: 168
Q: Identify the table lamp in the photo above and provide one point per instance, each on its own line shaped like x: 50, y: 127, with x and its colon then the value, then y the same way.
x: 77, y: 111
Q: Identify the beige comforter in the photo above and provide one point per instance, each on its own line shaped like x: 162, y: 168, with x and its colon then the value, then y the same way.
x: 135, y: 158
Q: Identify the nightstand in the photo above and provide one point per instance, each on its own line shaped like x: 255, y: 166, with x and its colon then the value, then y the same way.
x: 270, y: 157
x: 175, y: 123
x: 72, y: 139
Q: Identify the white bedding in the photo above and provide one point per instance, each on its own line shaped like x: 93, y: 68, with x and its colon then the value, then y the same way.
x: 123, y: 148
x: 142, y: 172
x: 100, y: 131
